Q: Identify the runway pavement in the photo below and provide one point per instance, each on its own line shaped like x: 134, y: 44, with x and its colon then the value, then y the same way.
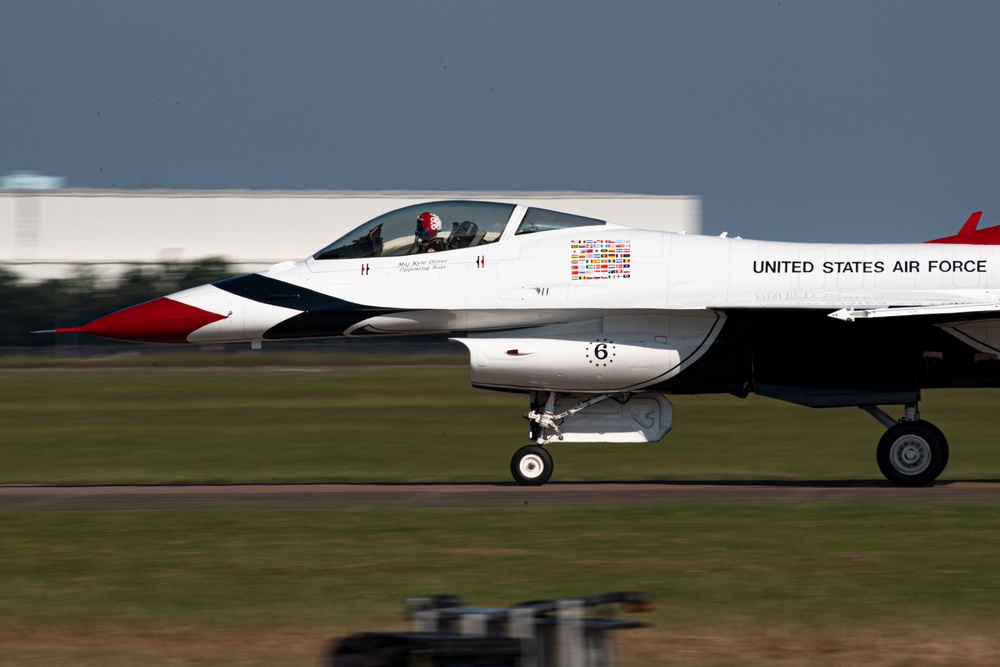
x: 118, y: 497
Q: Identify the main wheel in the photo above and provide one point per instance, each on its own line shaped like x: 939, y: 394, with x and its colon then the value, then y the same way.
x: 531, y: 465
x: 940, y: 434
x: 912, y: 453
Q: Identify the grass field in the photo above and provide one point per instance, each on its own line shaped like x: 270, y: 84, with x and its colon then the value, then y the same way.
x: 733, y: 585
x: 774, y: 584
x: 421, y: 422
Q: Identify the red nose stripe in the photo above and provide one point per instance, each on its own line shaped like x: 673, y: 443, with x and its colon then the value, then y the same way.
x: 159, y: 321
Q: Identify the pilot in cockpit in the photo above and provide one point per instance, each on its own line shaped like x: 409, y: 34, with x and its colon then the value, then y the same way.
x: 428, y: 227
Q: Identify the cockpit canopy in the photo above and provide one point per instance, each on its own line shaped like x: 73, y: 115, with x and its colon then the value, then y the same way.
x: 464, y: 224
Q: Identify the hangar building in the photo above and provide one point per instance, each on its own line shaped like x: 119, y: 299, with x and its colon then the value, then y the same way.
x: 47, y: 233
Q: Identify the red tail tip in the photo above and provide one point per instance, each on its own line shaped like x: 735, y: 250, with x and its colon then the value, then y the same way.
x: 971, y: 224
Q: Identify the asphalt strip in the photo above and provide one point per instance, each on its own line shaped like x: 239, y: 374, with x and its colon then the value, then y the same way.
x: 192, y: 496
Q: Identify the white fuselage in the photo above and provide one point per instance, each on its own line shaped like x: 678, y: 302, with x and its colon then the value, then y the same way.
x: 529, y: 280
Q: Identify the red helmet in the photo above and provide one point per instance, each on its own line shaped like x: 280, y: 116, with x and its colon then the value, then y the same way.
x: 428, y: 226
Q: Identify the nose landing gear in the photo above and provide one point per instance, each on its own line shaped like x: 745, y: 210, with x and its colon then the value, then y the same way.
x: 531, y: 465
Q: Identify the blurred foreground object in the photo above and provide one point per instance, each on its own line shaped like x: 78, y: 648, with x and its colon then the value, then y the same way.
x: 545, y: 633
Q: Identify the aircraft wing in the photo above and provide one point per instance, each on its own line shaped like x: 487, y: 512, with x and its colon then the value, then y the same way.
x: 881, y: 303
x: 974, y: 319
x: 851, y: 314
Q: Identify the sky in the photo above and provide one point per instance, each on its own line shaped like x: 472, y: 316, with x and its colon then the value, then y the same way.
x: 871, y: 121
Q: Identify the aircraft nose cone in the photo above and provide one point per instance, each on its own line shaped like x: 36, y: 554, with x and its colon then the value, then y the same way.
x: 162, y: 320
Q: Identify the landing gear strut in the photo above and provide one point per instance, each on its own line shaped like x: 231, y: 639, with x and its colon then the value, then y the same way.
x: 532, y: 465
x: 577, y: 417
x: 912, y: 452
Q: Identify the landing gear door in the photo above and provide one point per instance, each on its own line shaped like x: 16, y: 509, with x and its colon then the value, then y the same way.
x: 641, y: 418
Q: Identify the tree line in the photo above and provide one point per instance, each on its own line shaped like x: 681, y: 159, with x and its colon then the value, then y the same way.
x: 84, y: 296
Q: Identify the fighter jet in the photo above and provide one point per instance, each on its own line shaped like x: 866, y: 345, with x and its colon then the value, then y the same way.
x: 596, y: 322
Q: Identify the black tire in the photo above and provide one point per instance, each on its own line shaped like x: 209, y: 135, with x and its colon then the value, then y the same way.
x: 940, y: 434
x: 531, y: 465
x: 912, y: 453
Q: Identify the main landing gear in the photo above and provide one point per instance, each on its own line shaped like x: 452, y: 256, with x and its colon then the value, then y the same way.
x: 912, y: 452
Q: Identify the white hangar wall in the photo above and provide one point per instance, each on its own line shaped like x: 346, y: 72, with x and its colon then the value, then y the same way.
x: 45, y: 234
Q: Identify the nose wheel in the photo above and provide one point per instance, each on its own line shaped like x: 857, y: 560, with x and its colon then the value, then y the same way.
x: 531, y: 465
